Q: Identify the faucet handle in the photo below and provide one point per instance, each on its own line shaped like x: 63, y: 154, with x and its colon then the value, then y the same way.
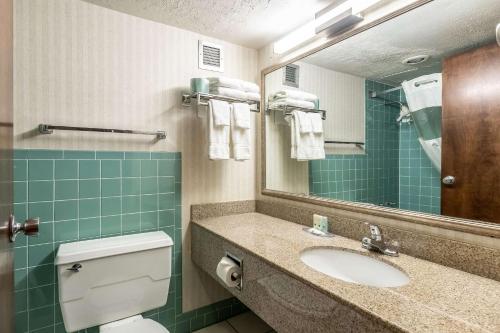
x: 375, y: 232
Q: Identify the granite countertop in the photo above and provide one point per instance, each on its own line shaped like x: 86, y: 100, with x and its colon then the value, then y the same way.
x: 437, y: 298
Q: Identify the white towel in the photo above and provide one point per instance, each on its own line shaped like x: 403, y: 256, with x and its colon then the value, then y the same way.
x: 224, y: 82
x: 241, y: 115
x: 218, y: 136
x: 424, y: 92
x: 253, y: 96
x: 316, y: 122
x: 309, y: 146
x: 304, y: 122
x: 291, y: 102
x: 295, y: 94
x: 249, y: 87
x: 240, y: 131
x: 229, y: 92
x: 221, y: 113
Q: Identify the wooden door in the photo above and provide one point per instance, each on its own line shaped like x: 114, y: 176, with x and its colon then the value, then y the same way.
x: 471, y: 134
x: 6, y: 104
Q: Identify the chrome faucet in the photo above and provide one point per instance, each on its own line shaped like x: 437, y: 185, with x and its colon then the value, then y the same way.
x: 376, y: 242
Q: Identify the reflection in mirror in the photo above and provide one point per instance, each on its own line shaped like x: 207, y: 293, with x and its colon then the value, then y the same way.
x: 403, y: 115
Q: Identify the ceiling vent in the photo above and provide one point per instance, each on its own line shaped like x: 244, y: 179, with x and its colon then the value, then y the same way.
x: 291, y: 76
x: 210, y: 56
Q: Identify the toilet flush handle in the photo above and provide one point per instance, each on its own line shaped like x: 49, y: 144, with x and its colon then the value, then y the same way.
x: 75, y: 268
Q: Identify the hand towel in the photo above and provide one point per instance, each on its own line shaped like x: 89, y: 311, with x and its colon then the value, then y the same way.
x: 221, y: 113
x: 295, y: 94
x: 218, y: 136
x: 423, y: 92
x: 316, y: 122
x: 309, y: 146
x: 253, y: 96
x: 291, y: 102
x: 304, y: 122
x: 241, y: 115
x: 225, y: 82
x: 240, y: 135
x: 229, y: 92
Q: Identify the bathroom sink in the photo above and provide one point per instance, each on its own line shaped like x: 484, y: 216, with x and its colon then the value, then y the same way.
x: 353, y: 267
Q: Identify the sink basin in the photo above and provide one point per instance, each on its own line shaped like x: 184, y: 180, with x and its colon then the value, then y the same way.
x: 353, y: 267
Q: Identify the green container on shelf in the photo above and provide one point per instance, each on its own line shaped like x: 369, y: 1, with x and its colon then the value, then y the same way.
x: 199, y: 85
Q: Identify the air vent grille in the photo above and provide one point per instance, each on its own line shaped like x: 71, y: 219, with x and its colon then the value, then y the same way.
x: 291, y: 76
x: 210, y: 56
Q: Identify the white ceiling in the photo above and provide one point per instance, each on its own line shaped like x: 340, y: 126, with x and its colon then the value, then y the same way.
x: 438, y: 29
x: 251, y: 23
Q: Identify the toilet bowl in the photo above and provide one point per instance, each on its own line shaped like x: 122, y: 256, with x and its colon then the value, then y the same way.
x: 109, y: 282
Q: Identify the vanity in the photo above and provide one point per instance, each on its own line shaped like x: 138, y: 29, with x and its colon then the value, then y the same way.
x: 293, y: 297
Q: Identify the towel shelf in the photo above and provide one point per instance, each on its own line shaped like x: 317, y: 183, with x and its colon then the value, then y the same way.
x: 49, y: 129
x: 287, y: 109
x: 202, y: 99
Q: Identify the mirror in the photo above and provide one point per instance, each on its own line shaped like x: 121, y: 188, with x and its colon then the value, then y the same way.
x: 412, y: 115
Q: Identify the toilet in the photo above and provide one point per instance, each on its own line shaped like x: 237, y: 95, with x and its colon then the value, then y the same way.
x: 111, y: 281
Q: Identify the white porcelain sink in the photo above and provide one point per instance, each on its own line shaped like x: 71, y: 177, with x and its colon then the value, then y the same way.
x: 353, y: 267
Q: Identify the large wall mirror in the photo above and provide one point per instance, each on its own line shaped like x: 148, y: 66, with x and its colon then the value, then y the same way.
x: 404, y: 115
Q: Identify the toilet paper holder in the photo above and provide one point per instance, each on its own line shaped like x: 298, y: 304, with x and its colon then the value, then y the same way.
x: 236, y: 276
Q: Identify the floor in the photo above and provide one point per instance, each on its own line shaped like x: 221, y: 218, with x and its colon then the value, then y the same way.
x: 246, y: 322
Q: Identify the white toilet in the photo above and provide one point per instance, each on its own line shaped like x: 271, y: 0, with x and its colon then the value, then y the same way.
x: 111, y: 281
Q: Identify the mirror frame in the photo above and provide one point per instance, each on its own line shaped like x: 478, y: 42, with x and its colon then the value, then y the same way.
x: 482, y: 228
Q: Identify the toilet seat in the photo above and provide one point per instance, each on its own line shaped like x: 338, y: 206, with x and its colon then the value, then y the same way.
x: 133, y: 325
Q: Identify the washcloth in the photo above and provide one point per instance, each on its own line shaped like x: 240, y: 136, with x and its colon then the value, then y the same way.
x: 218, y: 136
x: 240, y: 131
x: 295, y: 94
x: 303, y: 121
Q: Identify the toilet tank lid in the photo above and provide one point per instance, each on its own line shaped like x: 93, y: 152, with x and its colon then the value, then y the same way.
x: 105, y: 247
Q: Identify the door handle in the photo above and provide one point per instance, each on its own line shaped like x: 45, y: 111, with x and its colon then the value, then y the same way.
x: 29, y: 227
x: 448, y: 180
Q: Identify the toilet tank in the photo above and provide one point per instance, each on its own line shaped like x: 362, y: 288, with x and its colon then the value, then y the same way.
x: 108, y: 279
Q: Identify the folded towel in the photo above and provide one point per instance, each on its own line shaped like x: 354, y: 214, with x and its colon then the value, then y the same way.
x: 241, y: 115
x: 253, y: 96
x: 249, y: 87
x: 303, y: 121
x: 423, y: 92
x: 221, y: 113
x: 316, y: 122
x: 218, y: 136
x: 225, y: 82
x: 240, y: 135
x: 229, y: 92
x: 308, y: 146
x: 295, y: 94
x: 291, y: 102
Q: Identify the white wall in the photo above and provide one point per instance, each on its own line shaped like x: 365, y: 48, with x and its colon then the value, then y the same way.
x: 80, y: 64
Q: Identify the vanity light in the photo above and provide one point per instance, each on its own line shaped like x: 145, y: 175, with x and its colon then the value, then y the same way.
x: 332, y: 19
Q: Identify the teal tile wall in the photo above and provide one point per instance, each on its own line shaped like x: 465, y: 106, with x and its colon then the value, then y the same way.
x: 82, y: 195
x: 419, y: 181
x: 371, y: 177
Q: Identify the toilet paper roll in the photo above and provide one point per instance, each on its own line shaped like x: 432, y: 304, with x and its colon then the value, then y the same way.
x: 225, y: 270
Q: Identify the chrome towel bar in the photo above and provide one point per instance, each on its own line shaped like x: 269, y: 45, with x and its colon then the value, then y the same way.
x: 202, y: 99
x: 49, y: 129
x: 289, y: 108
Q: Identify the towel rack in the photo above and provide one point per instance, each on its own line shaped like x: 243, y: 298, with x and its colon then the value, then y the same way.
x: 49, y: 129
x: 358, y: 144
x: 203, y: 98
x: 289, y: 108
